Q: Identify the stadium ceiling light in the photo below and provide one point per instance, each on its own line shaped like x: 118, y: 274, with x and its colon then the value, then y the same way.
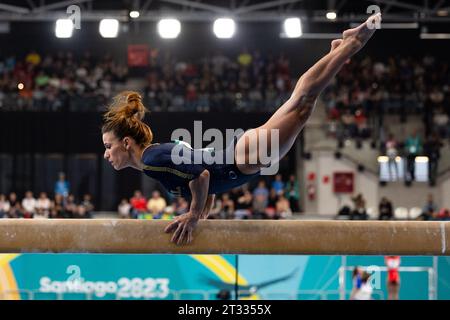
x: 293, y: 28
x: 109, y: 28
x: 331, y: 15
x: 64, y: 28
x: 134, y: 14
x: 435, y: 36
x: 224, y: 28
x: 169, y: 28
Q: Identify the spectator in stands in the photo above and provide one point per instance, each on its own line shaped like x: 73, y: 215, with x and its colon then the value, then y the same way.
x: 244, y: 206
x: 57, y: 209
x: 244, y: 58
x: 283, y: 208
x: 156, y: 204
x: 87, y: 203
x: 70, y: 206
x: 62, y: 186
x: 293, y: 193
x: 441, y: 123
x: 124, y: 209
x: 43, y: 206
x: 413, y: 148
x: 4, y: 206
x: 432, y: 148
x: 278, y: 184
x: 429, y: 209
x: 81, y: 213
x: 260, y: 200
x: 138, y: 204
x: 444, y: 214
x: 15, y: 209
x: 385, y: 210
x: 359, y: 211
x: 392, y: 153
x: 273, y: 198
x: 181, y: 206
x: 29, y: 205
x: 227, y: 207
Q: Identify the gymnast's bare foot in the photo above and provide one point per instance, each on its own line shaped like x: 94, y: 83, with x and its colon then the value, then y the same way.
x: 360, y: 35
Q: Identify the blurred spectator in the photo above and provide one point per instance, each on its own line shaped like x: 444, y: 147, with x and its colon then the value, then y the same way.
x: 273, y: 198
x: 87, y: 203
x: 278, y: 184
x: 260, y: 200
x: 43, y: 206
x: 385, y: 210
x: 392, y: 153
x: 244, y: 206
x: 181, y: 206
x: 138, y: 204
x: 15, y: 209
x: 57, y: 211
x: 70, y: 207
x: 62, y: 186
x: 359, y: 211
x: 156, y: 204
x: 283, y: 209
x: 413, y: 148
x: 444, y: 214
x: 29, y: 205
x: 441, y: 123
x: 293, y: 193
x: 80, y: 212
x: 432, y: 148
x: 33, y: 57
x: 429, y: 209
x: 227, y: 207
x: 244, y: 58
x: 4, y: 206
x: 124, y: 209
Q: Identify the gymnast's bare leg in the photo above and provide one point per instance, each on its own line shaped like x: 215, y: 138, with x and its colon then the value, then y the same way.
x: 291, y: 117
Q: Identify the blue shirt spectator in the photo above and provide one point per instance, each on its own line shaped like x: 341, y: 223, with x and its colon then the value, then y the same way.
x: 62, y: 186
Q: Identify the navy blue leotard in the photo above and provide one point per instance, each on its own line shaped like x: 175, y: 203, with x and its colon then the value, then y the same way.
x: 175, y: 177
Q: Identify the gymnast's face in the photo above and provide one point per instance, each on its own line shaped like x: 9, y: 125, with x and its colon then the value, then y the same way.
x: 115, y: 151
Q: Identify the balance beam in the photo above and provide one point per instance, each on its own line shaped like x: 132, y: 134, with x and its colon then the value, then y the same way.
x: 227, y: 237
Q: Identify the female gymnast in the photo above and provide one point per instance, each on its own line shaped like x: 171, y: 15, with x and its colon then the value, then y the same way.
x: 129, y: 141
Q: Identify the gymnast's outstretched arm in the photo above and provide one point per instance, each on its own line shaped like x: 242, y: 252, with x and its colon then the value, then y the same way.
x: 183, y: 225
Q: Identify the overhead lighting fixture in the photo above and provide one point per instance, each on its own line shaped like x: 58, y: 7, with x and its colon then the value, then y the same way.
x: 382, y: 159
x: 169, y: 28
x: 435, y: 36
x: 421, y: 159
x: 293, y: 28
x: 321, y: 35
x: 331, y: 15
x: 109, y: 28
x: 224, y: 28
x: 387, y: 25
x: 134, y: 14
x: 64, y: 28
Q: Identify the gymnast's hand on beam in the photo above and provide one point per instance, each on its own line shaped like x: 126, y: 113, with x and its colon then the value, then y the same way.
x: 182, y: 228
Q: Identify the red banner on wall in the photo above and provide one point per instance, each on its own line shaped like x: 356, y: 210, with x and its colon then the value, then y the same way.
x: 138, y: 55
x: 343, y: 182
